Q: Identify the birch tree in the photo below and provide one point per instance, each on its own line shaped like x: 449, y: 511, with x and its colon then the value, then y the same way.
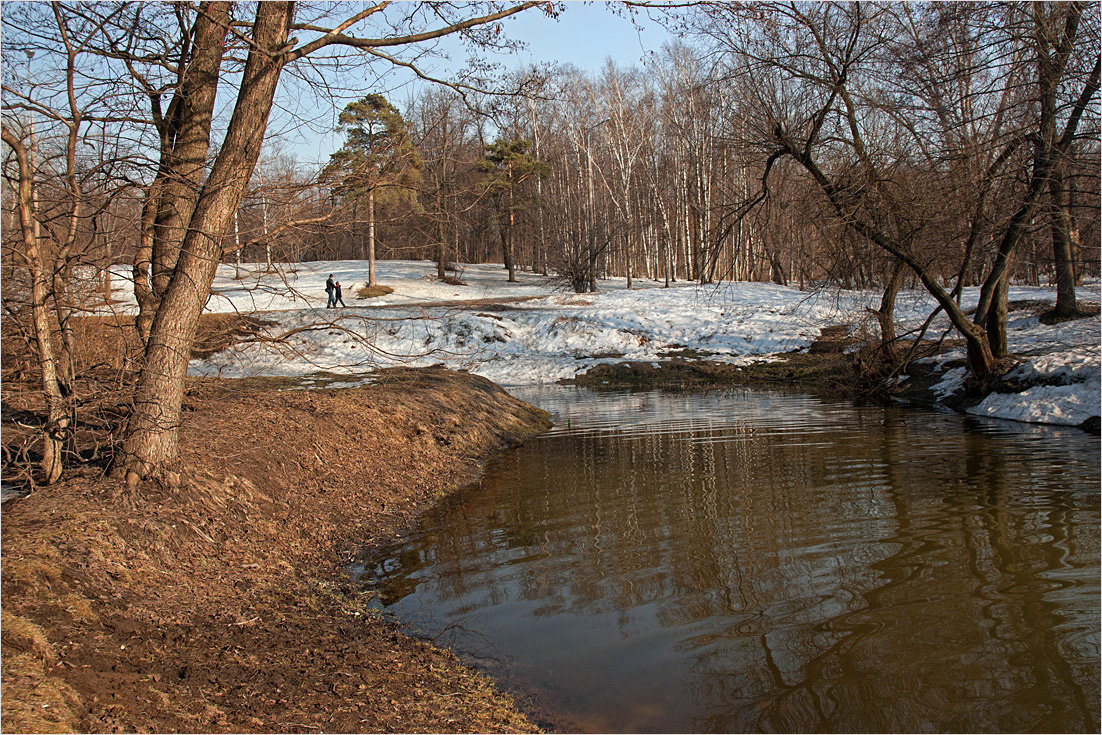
x: 621, y: 97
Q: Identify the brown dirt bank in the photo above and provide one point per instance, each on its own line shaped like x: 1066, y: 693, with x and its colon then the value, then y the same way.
x: 825, y: 365
x: 221, y: 606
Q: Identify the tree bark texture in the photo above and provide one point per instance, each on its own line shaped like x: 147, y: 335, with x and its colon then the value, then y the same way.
x: 152, y: 444
x: 143, y: 262
x: 187, y: 139
x: 1065, y: 243
x: 371, y: 281
x: 507, y: 242
x: 885, y: 315
x: 58, y: 424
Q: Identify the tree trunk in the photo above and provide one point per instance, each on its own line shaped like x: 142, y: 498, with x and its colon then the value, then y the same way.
x: 996, y: 316
x: 507, y: 240
x: 58, y: 425
x: 185, y: 158
x: 627, y: 261
x: 110, y: 256
x: 143, y: 260
x: 991, y: 309
x: 371, y: 282
x: 885, y: 315
x: 357, y: 249
x: 779, y: 276
x: 1065, y: 237
x: 60, y: 295
x: 264, y: 231
x: 441, y: 250
x: 236, y: 249
x: 594, y: 256
x: 151, y: 443
x: 667, y: 265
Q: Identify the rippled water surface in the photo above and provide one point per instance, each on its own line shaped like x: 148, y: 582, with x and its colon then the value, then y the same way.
x: 750, y: 561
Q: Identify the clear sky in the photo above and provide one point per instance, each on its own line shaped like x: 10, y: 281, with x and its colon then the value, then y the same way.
x: 585, y: 34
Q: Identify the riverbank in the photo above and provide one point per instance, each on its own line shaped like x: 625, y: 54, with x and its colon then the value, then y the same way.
x: 222, y: 606
x: 935, y: 376
x: 534, y: 332
x: 826, y: 365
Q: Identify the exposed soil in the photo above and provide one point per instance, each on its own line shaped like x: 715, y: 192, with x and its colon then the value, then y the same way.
x: 825, y: 365
x: 372, y: 292
x: 221, y: 606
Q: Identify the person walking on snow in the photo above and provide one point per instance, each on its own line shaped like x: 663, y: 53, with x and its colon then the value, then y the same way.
x: 330, y: 288
x: 337, y: 295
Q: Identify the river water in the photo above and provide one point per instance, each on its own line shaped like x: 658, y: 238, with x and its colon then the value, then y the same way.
x: 749, y: 561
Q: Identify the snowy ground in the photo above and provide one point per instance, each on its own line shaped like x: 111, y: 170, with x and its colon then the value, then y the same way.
x: 534, y: 331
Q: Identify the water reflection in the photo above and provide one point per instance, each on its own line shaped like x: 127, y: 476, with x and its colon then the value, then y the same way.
x: 761, y: 562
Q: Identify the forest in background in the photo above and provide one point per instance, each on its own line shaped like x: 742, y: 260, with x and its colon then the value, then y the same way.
x: 651, y: 171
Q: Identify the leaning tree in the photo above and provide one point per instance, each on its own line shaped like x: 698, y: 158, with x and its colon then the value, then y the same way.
x: 909, y: 121
x: 179, y: 61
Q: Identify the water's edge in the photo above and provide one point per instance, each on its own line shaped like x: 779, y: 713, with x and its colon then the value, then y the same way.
x: 571, y: 424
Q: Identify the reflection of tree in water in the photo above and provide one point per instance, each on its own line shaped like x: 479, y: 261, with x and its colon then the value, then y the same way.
x: 945, y: 637
x: 815, y: 579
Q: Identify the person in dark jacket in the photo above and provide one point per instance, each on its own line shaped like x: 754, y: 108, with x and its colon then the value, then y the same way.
x: 337, y: 295
x: 330, y: 289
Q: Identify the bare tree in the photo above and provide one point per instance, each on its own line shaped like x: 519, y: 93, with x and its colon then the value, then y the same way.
x: 450, y: 193
x: 185, y: 54
x: 621, y: 97
x: 41, y: 267
x: 50, y: 230
x: 823, y: 81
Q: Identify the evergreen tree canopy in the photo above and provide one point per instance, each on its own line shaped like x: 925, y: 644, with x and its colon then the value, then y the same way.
x: 507, y: 165
x: 377, y: 153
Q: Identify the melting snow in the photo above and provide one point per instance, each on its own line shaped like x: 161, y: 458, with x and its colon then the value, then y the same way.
x: 534, y: 331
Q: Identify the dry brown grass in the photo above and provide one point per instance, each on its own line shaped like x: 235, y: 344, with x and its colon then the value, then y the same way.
x: 221, y: 606
x: 373, y: 292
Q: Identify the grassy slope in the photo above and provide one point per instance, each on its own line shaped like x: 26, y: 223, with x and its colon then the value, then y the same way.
x: 221, y: 605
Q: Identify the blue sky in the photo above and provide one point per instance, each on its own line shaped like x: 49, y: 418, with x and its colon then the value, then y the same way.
x: 585, y: 34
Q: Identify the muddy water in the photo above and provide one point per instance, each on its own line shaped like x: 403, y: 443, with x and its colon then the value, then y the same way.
x: 756, y: 562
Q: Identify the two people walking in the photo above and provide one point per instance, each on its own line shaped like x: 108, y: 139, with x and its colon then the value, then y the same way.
x: 333, y: 291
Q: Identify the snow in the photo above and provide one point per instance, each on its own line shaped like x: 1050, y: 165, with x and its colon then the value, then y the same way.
x: 535, y: 331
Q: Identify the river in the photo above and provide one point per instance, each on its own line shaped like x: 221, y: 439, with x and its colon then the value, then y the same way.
x: 763, y: 561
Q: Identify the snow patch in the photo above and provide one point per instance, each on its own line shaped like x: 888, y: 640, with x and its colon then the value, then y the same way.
x: 533, y: 331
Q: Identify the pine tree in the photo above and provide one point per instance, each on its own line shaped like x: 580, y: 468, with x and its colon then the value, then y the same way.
x: 378, y: 157
x: 507, y: 166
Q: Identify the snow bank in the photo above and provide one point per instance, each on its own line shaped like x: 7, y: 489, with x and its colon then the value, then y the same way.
x: 533, y: 331
x: 1062, y: 364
